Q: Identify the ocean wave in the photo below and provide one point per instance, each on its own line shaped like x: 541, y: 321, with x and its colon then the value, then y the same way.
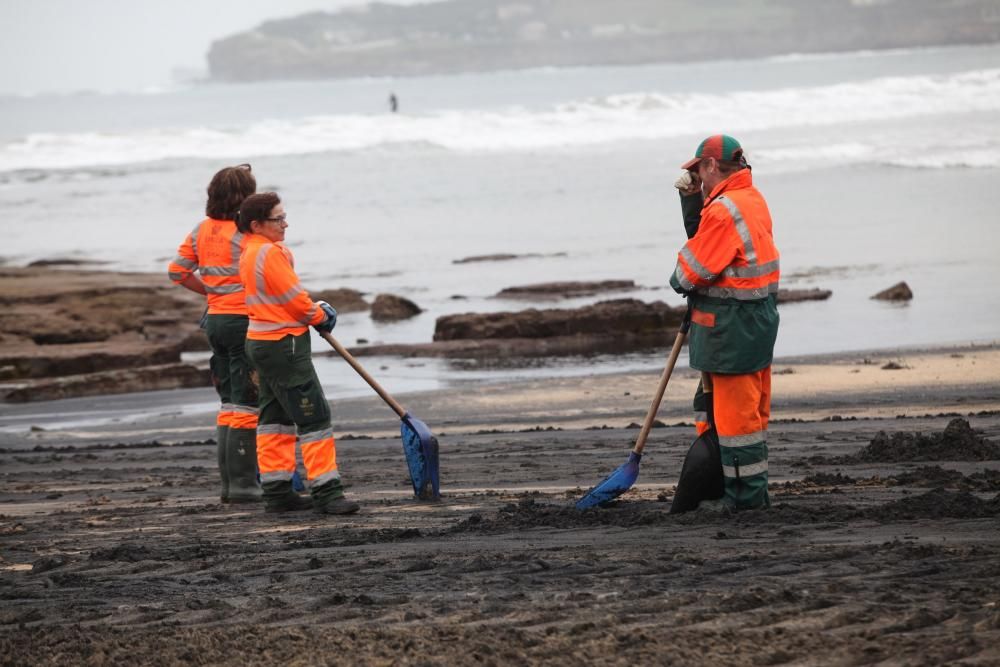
x: 615, y: 118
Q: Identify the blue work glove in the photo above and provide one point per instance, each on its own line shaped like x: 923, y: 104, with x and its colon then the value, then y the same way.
x: 327, y: 325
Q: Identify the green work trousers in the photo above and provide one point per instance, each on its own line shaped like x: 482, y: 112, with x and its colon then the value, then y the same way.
x: 230, y: 366
x: 290, y: 391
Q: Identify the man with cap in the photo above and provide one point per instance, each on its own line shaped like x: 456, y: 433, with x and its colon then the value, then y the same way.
x: 728, y: 270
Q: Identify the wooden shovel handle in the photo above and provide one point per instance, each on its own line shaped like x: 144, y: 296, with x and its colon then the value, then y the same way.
x: 658, y: 398
x: 342, y: 351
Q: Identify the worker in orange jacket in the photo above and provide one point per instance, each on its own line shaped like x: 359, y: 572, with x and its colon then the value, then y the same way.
x: 293, y: 408
x: 729, y: 271
x: 213, y: 250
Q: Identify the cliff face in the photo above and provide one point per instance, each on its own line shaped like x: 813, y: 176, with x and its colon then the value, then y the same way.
x: 478, y: 35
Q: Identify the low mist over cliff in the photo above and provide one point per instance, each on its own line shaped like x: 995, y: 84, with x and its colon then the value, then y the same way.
x: 478, y: 35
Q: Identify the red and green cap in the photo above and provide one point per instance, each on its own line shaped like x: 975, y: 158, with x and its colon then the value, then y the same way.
x: 719, y: 146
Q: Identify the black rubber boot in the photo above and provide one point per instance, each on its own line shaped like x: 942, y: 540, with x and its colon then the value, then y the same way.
x: 241, y: 462
x: 329, y: 499
x: 221, y: 437
x: 279, y: 497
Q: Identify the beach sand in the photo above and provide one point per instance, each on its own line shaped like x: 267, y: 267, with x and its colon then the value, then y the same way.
x: 115, y: 549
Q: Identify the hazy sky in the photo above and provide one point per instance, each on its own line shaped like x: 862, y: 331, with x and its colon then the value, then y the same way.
x: 70, y: 45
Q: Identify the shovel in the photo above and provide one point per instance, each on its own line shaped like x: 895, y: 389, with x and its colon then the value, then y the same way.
x: 701, y: 475
x: 419, y: 444
x: 622, y: 479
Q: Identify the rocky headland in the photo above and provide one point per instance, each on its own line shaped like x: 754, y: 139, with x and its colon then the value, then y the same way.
x: 484, y: 35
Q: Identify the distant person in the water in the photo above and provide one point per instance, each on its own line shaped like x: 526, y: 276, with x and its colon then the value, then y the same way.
x: 393, y: 103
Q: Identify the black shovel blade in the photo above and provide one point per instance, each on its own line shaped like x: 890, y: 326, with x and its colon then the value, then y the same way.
x: 701, y: 475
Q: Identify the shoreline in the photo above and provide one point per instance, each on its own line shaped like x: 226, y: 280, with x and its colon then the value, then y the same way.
x: 931, y: 380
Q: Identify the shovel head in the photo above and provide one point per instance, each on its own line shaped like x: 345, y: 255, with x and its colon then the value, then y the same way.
x: 617, y: 483
x: 701, y: 475
x: 421, y: 449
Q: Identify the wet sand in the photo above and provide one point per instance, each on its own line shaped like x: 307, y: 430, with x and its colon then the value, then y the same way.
x: 116, y: 551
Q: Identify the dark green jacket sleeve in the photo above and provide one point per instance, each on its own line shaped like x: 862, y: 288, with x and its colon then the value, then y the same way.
x: 691, y: 206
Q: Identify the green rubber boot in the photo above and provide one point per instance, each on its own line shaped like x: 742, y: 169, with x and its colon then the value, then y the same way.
x: 221, y: 437
x: 241, y: 463
x: 329, y: 499
x: 280, y: 497
x: 745, y: 471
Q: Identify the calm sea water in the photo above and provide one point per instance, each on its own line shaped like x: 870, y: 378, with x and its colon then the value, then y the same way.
x: 878, y: 167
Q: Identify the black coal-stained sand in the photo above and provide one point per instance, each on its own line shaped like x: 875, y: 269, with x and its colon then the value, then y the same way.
x: 121, y: 555
x: 957, y: 442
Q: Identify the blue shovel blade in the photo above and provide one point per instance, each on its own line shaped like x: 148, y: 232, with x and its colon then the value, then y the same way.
x: 617, y: 483
x: 421, y: 450
x: 297, y: 484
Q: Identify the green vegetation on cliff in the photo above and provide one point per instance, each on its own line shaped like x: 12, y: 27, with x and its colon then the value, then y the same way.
x: 478, y: 35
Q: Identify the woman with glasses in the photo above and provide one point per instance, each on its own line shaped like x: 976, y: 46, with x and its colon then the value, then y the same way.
x: 293, y: 408
x: 213, y: 249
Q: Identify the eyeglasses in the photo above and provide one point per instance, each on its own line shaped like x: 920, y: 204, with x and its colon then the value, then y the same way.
x: 245, y: 165
x: 279, y: 219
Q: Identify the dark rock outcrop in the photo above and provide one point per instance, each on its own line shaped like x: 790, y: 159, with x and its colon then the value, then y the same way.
x: 608, y: 327
x: 564, y: 290
x: 615, y: 317
x: 389, y: 308
x: 345, y: 300
x: 898, y: 292
x: 503, y: 257
x: 82, y: 324
x: 120, y: 381
x: 796, y: 295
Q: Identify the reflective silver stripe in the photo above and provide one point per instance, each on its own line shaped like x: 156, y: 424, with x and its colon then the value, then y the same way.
x: 263, y: 299
x: 741, y: 294
x: 219, y: 271
x: 235, y: 244
x: 324, y: 478
x: 755, y: 438
x: 745, y: 470
x: 177, y: 277
x: 697, y: 266
x: 185, y: 263
x: 275, y: 429
x: 741, y: 228
x: 315, y: 436
x: 227, y: 407
x: 686, y: 284
x: 258, y: 270
x: 194, y: 238
x: 277, y: 476
x: 310, y: 314
x: 751, y: 271
x: 246, y: 409
x: 266, y: 327
x: 701, y: 417
x: 223, y: 289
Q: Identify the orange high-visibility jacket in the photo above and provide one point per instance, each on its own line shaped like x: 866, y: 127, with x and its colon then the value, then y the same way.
x: 277, y: 303
x: 730, y: 269
x: 733, y: 255
x: 213, y: 249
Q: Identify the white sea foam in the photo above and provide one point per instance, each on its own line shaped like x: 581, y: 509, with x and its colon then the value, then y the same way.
x: 616, y: 118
